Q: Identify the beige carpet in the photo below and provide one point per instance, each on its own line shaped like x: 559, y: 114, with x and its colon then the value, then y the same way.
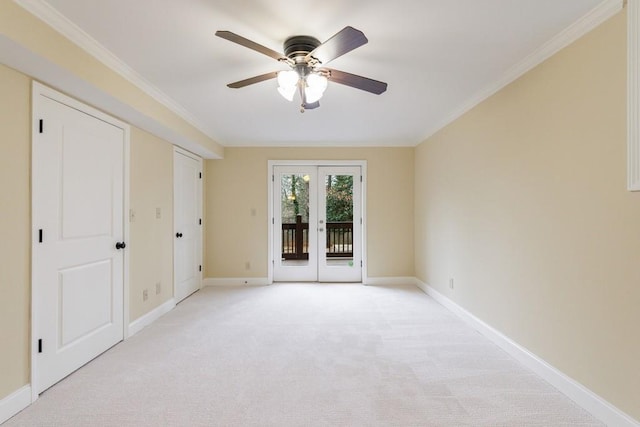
x: 305, y: 355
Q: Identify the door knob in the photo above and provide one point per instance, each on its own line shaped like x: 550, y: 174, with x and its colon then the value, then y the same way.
x: 120, y: 245
x: 320, y: 229
x: 178, y: 235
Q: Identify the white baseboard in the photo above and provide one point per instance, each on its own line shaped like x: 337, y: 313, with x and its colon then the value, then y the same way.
x: 147, y: 319
x: 591, y: 402
x: 235, y: 281
x: 390, y: 281
x: 14, y: 403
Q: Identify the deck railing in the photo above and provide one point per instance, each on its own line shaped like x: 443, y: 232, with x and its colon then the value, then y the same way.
x: 295, y: 240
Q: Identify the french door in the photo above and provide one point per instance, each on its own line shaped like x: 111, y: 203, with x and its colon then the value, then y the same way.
x: 317, y: 224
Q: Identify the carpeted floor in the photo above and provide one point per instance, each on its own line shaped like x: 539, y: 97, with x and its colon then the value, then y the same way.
x: 305, y: 355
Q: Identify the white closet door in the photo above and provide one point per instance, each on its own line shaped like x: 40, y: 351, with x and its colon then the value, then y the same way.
x: 187, y: 199
x: 78, y: 216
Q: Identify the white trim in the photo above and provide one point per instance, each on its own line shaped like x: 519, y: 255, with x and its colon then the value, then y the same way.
x: 126, y: 207
x: 588, y: 22
x: 235, y: 281
x: 591, y: 402
x: 15, y: 402
x: 270, y: 218
x: 390, y: 281
x: 47, y: 13
x: 633, y: 95
x: 147, y: 319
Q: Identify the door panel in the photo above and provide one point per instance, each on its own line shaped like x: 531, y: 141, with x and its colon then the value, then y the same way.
x: 187, y: 217
x: 295, y: 220
x: 86, y: 184
x: 339, y: 225
x: 85, y: 300
x: 78, y: 203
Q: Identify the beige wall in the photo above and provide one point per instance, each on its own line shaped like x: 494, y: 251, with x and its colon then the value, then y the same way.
x: 15, y: 230
x: 151, y: 249
x: 523, y: 202
x: 238, y: 183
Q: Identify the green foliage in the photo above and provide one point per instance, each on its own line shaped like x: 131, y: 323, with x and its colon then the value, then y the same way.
x: 339, y: 198
x: 294, y: 198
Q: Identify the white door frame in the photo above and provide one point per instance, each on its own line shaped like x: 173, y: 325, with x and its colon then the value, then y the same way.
x: 363, y: 167
x: 39, y: 90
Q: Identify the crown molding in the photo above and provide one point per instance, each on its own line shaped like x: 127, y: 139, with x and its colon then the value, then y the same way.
x: 49, y: 15
x: 588, y: 22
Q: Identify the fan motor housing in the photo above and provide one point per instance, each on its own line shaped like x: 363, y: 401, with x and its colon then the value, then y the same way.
x: 299, y: 46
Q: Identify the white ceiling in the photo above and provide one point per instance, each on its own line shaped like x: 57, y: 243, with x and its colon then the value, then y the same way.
x: 436, y: 56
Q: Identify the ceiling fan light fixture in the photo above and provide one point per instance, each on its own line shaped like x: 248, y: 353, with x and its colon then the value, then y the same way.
x: 305, y: 54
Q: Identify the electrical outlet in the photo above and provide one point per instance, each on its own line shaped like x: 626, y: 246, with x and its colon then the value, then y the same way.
x: 145, y: 295
x: 247, y: 265
x: 158, y: 213
x: 158, y: 288
x: 451, y: 283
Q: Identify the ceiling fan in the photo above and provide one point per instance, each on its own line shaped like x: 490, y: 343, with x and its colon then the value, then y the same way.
x: 306, y: 58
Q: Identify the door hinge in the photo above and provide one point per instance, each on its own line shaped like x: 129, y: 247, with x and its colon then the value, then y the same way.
x: 200, y: 175
x: 200, y: 221
x: 360, y: 264
x: 40, y: 234
x: 273, y: 221
x: 199, y: 268
x: 40, y: 345
x: 273, y: 178
x: 41, y: 126
x: 360, y: 178
x: 360, y: 221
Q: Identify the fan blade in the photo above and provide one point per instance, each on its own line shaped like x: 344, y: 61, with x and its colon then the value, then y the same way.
x: 252, y: 80
x: 311, y: 106
x: 232, y: 37
x: 342, y: 42
x: 358, y: 82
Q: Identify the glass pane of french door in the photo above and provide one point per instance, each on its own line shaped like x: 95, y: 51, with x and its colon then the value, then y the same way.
x: 339, y: 251
x: 295, y: 223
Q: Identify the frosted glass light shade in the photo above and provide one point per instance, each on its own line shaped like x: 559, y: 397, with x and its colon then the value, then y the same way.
x: 287, y: 92
x: 315, y: 87
x: 287, y: 84
x: 288, y: 79
x: 317, y: 82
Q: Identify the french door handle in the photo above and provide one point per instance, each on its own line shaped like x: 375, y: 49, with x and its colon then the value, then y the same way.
x: 178, y: 235
x: 120, y: 245
x: 321, y: 229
